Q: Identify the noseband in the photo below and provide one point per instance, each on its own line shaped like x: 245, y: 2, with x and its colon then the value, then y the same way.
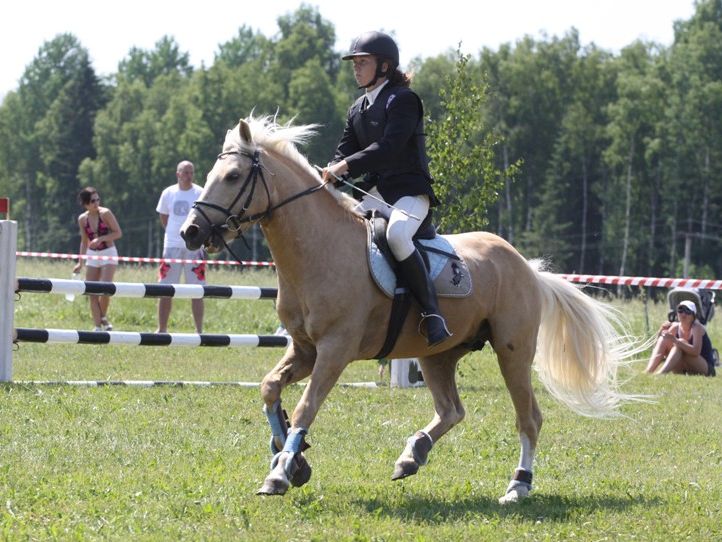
x: 233, y: 222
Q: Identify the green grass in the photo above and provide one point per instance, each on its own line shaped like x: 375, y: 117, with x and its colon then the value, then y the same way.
x: 171, y: 463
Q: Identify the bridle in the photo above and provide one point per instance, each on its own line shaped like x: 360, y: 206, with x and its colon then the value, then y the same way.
x: 234, y: 221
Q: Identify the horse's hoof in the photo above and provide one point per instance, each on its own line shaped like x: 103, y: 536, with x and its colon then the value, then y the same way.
x: 302, y: 471
x: 273, y: 486
x: 516, y: 491
x: 404, y: 469
x: 514, y: 495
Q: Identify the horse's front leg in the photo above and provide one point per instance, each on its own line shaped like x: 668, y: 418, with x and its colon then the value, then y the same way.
x: 288, y: 465
x: 295, y: 365
x: 439, y: 375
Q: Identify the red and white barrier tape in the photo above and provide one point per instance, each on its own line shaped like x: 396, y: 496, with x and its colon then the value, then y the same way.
x: 645, y: 281
x: 138, y: 260
x: 585, y: 279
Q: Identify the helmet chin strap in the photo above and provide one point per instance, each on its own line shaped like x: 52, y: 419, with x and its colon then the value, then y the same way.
x: 378, y: 74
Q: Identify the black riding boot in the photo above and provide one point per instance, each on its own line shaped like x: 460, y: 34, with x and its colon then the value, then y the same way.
x: 417, y: 278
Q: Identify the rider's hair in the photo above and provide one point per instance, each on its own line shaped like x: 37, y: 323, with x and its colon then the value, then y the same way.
x: 399, y: 78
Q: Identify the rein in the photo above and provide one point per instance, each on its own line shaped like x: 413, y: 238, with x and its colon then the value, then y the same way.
x: 233, y: 222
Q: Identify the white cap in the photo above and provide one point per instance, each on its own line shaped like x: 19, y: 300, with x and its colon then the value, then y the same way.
x: 689, y: 305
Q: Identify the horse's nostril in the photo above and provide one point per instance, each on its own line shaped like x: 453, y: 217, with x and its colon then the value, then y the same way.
x: 191, y: 232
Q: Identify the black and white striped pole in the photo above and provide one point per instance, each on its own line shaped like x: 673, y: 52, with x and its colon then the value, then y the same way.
x: 147, y: 339
x: 133, y: 289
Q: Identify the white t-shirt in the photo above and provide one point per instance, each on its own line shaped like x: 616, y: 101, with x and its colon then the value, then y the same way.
x: 176, y: 203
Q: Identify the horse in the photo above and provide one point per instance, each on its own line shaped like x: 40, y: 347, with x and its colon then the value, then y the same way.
x: 335, y: 313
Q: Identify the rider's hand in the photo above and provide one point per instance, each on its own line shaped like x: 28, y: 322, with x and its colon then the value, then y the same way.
x: 334, y: 170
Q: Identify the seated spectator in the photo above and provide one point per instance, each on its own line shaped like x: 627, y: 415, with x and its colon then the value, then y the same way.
x: 683, y: 347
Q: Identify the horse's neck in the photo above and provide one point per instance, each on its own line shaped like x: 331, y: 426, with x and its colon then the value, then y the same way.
x: 305, y: 235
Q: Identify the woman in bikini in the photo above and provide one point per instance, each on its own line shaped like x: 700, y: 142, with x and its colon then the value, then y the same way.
x: 683, y: 347
x: 98, y: 232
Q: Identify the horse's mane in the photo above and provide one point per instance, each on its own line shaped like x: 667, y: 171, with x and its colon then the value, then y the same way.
x: 282, y: 139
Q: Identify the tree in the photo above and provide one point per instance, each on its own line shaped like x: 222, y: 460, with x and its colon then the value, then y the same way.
x: 568, y: 209
x: 312, y: 100
x: 48, y: 123
x: 246, y: 47
x: 461, y: 152
x: 304, y: 35
x: 633, y: 120
x: 147, y: 66
x: 695, y: 66
x: 532, y: 85
x: 430, y: 75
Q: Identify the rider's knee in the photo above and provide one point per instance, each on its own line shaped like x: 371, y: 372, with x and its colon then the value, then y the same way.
x: 401, y: 245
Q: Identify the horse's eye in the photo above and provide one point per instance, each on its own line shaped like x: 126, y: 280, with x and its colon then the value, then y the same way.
x: 233, y: 175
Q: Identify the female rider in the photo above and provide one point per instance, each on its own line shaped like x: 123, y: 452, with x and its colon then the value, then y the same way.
x: 384, y: 141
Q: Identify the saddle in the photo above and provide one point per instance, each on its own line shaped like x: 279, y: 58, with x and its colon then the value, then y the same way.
x: 446, y: 268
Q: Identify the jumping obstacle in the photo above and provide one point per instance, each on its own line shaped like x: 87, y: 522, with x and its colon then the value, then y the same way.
x: 9, y: 287
x: 169, y: 383
x: 8, y: 245
x: 146, y: 339
x: 132, y: 289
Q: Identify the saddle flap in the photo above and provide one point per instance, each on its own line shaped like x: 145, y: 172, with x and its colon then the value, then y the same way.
x: 448, y: 271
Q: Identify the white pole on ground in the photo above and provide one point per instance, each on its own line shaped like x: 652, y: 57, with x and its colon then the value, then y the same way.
x: 8, y: 246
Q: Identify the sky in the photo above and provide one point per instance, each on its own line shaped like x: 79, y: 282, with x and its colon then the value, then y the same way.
x: 108, y: 30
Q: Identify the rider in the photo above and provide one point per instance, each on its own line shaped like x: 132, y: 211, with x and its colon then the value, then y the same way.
x: 384, y: 141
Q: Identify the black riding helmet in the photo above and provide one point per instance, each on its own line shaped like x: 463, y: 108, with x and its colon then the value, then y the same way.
x: 381, y: 46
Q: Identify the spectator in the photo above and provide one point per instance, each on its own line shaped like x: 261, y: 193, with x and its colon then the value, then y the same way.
x: 173, y: 207
x: 683, y: 347
x: 98, y: 232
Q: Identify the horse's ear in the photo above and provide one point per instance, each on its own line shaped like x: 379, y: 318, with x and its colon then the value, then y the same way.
x: 245, y: 131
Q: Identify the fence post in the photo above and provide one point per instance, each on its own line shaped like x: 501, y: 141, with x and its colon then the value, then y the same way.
x: 8, y: 246
x: 406, y: 373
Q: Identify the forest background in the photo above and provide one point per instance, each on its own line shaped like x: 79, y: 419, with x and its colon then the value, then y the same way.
x: 604, y: 163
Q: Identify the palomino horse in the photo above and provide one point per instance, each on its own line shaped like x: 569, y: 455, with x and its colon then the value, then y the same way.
x: 336, y: 314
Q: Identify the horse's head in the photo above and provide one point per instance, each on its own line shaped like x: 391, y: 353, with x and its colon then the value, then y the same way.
x: 240, y: 191
x: 235, y: 196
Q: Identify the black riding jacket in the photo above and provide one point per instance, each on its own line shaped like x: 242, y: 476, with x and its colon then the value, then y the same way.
x: 386, y: 144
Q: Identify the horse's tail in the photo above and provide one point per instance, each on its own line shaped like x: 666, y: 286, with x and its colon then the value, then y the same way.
x: 580, y: 348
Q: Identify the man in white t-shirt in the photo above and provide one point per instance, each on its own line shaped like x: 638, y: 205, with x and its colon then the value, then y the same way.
x: 173, y: 207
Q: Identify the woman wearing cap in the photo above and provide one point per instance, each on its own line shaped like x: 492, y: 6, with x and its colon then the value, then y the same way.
x: 683, y: 347
x: 384, y: 142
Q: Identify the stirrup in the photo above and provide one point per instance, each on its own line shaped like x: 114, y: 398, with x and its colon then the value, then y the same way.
x: 439, y: 335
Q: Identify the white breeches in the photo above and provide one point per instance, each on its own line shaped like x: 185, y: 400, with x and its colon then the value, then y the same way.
x: 402, y: 227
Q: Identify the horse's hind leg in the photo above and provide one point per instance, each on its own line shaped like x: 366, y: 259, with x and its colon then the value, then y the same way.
x: 440, y: 376
x: 515, y: 363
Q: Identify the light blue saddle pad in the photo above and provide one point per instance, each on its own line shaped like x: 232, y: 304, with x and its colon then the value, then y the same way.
x: 451, y: 277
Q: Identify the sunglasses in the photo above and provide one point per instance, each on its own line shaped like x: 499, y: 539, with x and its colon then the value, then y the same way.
x: 684, y: 310
x: 94, y: 200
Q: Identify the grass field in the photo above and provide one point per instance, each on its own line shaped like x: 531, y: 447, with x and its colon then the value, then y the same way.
x: 172, y: 463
